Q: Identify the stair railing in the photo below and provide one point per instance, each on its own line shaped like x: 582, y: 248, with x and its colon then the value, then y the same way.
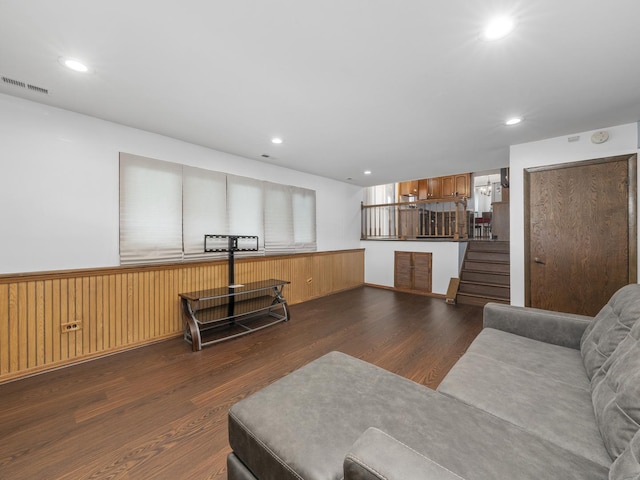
x: 421, y: 219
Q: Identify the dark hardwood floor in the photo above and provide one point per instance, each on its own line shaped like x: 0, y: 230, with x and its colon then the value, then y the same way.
x: 161, y: 411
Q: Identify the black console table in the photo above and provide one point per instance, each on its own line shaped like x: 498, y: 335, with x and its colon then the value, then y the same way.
x: 223, y: 313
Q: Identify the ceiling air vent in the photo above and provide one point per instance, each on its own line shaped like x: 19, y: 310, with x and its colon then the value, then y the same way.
x: 35, y: 88
x: 13, y: 82
x: 28, y: 86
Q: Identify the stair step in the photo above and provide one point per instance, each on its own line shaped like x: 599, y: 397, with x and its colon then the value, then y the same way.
x: 485, y: 277
x: 488, y: 246
x: 471, y: 299
x: 485, y: 273
x: 488, y: 256
x: 492, y: 267
x: 485, y: 289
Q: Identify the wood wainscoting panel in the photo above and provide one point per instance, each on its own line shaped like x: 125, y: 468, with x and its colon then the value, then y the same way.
x: 56, y: 318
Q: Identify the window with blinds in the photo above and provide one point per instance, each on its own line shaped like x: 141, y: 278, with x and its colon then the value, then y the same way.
x: 167, y: 208
x: 204, y: 209
x: 245, y: 210
x: 290, y: 219
x: 150, y: 210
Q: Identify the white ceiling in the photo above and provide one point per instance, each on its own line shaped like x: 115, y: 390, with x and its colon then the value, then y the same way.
x: 404, y: 88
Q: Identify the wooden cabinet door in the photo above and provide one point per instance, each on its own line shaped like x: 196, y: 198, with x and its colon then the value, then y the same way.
x: 462, y: 185
x: 402, y: 275
x: 403, y: 189
x: 422, y: 272
x: 423, y: 189
x: 448, y: 186
x: 434, y: 188
x: 413, y: 271
x: 407, y: 188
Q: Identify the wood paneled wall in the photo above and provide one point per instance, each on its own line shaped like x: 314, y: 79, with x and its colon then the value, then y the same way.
x: 118, y: 308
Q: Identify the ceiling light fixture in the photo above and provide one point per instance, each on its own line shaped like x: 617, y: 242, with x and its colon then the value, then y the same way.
x: 498, y: 28
x: 73, y: 64
x: 367, y: 172
x: 276, y: 140
x: 513, y: 121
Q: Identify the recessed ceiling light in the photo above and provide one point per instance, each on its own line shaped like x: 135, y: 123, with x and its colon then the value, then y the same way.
x: 513, y: 121
x: 73, y: 64
x: 276, y: 140
x: 498, y: 28
x: 367, y: 172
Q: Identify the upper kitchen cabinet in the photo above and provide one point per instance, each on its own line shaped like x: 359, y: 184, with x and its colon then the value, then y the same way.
x: 437, y: 188
x: 406, y: 189
x: 429, y: 188
x: 456, y: 186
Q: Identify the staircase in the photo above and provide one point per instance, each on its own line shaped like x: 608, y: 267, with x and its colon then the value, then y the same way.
x: 485, y: 273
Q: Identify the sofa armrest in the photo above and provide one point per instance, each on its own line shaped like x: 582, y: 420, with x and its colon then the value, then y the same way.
x: 564, y: 329
x: 378, y: 456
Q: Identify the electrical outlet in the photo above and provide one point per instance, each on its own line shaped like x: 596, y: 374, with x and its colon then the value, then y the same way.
x: 70, y: 327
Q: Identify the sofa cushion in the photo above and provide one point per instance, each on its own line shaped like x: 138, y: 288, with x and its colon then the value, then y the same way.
x: 378, y: 456
x: 616, y: 394
x: 610, y: 327
x: 559, y: 412
x: 627, y: 465
x: 303, y: 425
x: 561, y: 363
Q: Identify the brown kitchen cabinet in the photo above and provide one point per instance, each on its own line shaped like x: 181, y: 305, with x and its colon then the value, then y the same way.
x: 407, y: 188
x: 423, y: 189
x: 436, y: 188
x: 456, y: 185
x: 429, y: 188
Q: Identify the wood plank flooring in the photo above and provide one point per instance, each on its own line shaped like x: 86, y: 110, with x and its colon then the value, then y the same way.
x: 160, y: 412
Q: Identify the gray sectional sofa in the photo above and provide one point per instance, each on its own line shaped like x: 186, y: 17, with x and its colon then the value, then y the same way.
x: 538, y: 395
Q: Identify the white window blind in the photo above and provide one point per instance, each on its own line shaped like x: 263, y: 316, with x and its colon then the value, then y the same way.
x: 150, y: 210
x: 289, y: 219
x: 278, y: 219
x: 204, y: 209
x: 304, y: 219
x: 167, y: 208
x: 245, y: 208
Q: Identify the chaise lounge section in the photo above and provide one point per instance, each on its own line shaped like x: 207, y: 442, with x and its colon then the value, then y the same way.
x: 538, y: 394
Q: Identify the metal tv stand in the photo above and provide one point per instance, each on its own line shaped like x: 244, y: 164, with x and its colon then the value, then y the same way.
x: 218, y: 314
x: 212, y: 316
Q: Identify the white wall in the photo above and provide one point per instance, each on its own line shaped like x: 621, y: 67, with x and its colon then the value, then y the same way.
x: 59, y: 187
x: 623, y: 140
x: 379, y: 260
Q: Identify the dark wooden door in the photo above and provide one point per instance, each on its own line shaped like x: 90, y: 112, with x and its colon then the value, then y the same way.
x: 580, y: 233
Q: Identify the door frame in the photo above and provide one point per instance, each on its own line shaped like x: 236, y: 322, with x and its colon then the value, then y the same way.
x: 632, y: 160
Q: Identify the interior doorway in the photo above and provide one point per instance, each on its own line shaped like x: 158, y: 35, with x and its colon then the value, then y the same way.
x: 580, y: 233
